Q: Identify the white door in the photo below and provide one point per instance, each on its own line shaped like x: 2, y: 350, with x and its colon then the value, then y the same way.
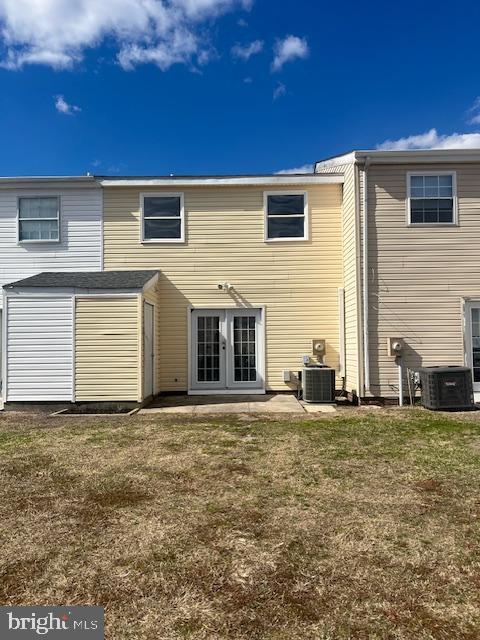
x: 474, y: 355
x: 226, y: 350
x: 148, y: 348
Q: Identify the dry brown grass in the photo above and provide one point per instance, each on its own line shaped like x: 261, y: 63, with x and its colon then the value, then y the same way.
x: 364, y: 525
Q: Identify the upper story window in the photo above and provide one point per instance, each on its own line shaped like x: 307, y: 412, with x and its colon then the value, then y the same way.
x: 286, y: 216
x: 39, y: 219
x: 162, y: 217
x: 432, y: 198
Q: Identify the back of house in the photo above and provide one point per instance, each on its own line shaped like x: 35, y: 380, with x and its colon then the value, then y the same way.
x: 415, y: 275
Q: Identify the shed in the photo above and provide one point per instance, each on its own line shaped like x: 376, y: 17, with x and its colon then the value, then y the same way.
x: 80, y: 337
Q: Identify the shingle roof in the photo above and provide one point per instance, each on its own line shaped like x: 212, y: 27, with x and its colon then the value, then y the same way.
x: 87, y: 280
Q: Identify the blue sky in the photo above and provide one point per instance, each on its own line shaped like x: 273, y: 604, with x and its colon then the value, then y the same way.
x: 230, y: 86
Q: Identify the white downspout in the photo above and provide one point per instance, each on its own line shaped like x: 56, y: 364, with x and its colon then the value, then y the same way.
x: 400, y: 381
x: 366, y: 359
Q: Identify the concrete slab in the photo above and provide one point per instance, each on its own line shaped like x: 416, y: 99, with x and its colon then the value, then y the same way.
x: 276, y: 404
x: 217, y: 404
x: 228, y: 407
x: 189, y: 409
x: 311, y: 407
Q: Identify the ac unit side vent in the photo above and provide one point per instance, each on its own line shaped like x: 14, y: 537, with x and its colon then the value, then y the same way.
x: 447, y: 388
x: 318, y: 384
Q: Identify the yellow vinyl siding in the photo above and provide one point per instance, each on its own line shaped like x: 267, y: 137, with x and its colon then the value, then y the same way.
x: 419, y: 275
x: 296, y: 281
x: 107, y: 349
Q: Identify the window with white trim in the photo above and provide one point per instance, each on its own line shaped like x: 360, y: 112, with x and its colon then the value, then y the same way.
x: 163, y: 217
x: 286, y: 216
x: 39, y: 219
x: 431, y: 198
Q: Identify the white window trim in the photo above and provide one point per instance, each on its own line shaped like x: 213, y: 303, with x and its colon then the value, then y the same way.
x: 148, y: 194
x: 58, y: 218
x: 454, y: 223
x: 306, y: 226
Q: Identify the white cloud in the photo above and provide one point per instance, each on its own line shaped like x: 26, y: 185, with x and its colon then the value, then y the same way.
x: 248, y: 80
x: 306, y: 168
x: 279, y: 91
x: 288, y: 49
x: 62, y: 106
x: 474, y: 111
x: 56, y: 33
x: 245, y: 52
x: 432, y: 140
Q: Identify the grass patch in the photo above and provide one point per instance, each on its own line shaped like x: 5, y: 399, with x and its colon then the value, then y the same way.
x: 365, y: 525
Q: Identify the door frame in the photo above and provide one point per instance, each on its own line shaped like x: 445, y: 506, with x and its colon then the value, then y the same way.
x: 261, y: 336
x: 467, y: 323
x: 146, y: 302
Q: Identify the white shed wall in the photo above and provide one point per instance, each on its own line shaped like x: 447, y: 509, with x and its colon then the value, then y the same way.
x: 39, y: 348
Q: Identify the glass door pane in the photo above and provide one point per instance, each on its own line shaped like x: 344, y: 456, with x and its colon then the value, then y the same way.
x: 208, y: 349
x: 244, y: 348
x: 243, y: 351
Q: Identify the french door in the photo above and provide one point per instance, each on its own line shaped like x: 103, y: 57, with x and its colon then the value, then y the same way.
x: 474, y: 355
x: 226, y: 350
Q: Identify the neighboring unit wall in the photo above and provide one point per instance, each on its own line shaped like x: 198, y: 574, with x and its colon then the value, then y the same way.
x: 39, y: 348
x: 80, y: 246
x: 350, y: 276
x: 107, y: 349
x: 418, y: 275
x: 297, y: 281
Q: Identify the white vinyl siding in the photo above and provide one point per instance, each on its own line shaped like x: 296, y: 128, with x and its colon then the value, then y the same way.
x: 39, y: 348
x: 80, y: 245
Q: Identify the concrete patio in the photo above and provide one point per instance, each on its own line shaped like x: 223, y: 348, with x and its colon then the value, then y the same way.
x: 268, y: 403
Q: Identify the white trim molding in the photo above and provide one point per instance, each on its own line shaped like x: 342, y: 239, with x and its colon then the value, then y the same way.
x: 305, y: 216
x: 225, y: 181
x: 453, y: 197
x: 177, y: 194
x: 58, y: 219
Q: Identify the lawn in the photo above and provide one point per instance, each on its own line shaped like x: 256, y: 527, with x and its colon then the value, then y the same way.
x: 362, y: 525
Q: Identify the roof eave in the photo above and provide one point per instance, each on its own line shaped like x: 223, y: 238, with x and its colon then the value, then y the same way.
x: 226, y: 181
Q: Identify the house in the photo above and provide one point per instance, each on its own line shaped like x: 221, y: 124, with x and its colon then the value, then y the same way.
x: 250, y: 272
x: 249, y: 275
x: 49, y: 224
x: 412, y: 237
x: 224, y: 284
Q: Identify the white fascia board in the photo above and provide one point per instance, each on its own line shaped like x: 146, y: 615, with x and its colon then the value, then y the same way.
x: 153, y: 280
x: 278, y: 180
x: 421, y: 156
x: 418, y: 156
x: 48, y: 182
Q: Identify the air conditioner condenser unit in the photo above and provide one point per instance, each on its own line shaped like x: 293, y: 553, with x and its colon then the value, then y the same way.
x: 318, y: 384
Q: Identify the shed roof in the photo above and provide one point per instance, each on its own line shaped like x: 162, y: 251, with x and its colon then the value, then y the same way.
x: 87, y: 279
